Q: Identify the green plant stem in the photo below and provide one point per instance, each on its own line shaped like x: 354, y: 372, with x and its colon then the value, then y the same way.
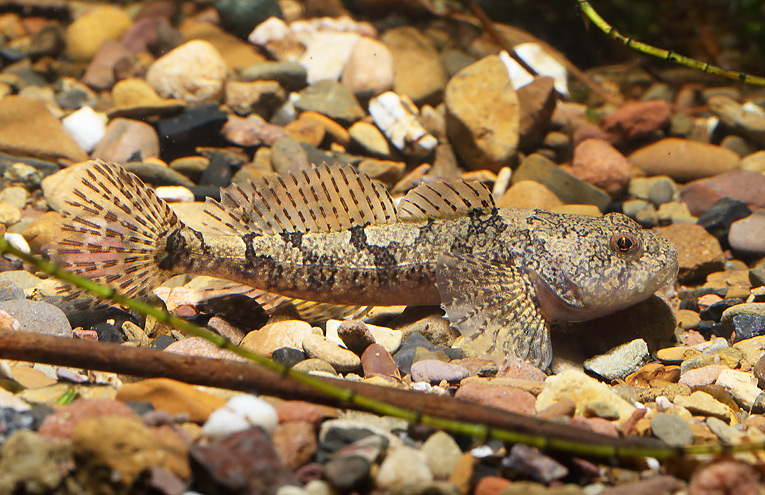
x: 661, y: 53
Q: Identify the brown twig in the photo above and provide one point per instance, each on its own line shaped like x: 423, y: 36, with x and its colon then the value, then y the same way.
x: 246, y: 377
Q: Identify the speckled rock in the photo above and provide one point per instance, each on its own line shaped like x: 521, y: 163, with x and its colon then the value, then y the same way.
x: 582, y: 389
x: 31, y: 464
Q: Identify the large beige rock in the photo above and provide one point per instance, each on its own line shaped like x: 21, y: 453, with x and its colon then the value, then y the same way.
x: 27, y: 128
x: 86, y: 34
x: 483, y: 114
x: 194, y: 72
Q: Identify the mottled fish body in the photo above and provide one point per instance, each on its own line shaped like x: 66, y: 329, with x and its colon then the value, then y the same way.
x: 332, y: 235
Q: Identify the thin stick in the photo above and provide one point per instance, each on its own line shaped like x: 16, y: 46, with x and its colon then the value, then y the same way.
x: 669, y: 55
x: 519, y: 429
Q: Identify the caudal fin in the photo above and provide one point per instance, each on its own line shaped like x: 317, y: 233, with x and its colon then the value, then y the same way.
x: 113, y: 229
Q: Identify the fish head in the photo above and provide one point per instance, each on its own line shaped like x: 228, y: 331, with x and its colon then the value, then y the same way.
x: 600, y: 265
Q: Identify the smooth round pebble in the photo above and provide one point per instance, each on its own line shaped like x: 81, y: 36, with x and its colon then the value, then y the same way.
x: 194, y: 72
x: 433, y: 371
x: 240, y: 413
x: 340, y: 359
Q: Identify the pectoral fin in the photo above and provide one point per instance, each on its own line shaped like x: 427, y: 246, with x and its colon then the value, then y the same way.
x: 492, y: 305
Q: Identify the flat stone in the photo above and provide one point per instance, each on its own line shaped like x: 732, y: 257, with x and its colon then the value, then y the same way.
x: 260, y: 97
x: 38, y: 317
x: 702, y: 404
x: 742, y: 387
x: 684, y: 160
x: 671, y: 429
x: 172, y: 396
x: 326, y: 54
x: 620, y: 361
x: 434, y: 371
x: 342, y: 360
x: 499, y: 396
x: 565, y: 186
x: 598, y: 163
x: 635, y: 120
x: 332, y: 99
x: 291, y: 75
x: 751, y: 349
x: 369, y: 139
x: 741, y: 185
x: 377, y: 361
x: 197, y: 346
x: 27, y: 128
x: 483, y: 115
x: 699, y: 377
x: 735, y: 116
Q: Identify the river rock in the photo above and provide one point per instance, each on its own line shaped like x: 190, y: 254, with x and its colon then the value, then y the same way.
x: 194, y: 72
x: 684, y: 160
x: 417, y: 69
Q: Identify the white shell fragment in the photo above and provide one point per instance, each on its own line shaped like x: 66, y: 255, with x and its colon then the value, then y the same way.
x: 539, y: 60
x: 240, y: 413
x: 397, y: 117
x: 86, y: 127
x: 175, y: 194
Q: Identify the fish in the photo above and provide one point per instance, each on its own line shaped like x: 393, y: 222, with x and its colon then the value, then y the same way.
x: 331, y: 235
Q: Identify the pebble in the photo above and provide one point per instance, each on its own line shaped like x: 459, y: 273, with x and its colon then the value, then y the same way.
x: 326, y: 55
x: 86, y: 127
x: 671, y: 429
x: 740, y: 185
x: 742, y: 387
x: 315, y: 365
x: 199, y: 347
x: 719, y: 217
x: 397, y: 117
x: 597, y: 162
x: 434, y: 371
x: 684, y: 160
x: 565, y: 186
x: 27, y: 128
x: 532, y: 464
x: 38, y: 317
x: 702, y: 404
x: 87, y: 33
x: 226, y: 465
x: 699, y: 253
x: 500, y: 396
x: 290, y: 75
x: 748, y: 234
x: 369, y: 139
x: 442, y: 454
x: 529, y: 194
x: 260, y: 97
x: 376, y: 360
x: 342, y: 360
x: 619, y: 361
x: 285, y: 333
x: 172, y: 396
x: 194, y: 72
x: 240, y: 413
x: 582, y: 389
x: 736, y: 117
x: 403, y: 469
x: 730, y: 475
x: 417, y: 69
x: 482, y: 115
x: 127, y: 140
x: 369, y: 69
x: 705, y: 375
x: 332, y: 99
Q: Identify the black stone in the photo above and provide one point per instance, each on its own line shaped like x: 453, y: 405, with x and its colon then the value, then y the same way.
x: 199, y: 125
x: 288, y: 356
x: 338, y: 438
x: 719, y: 217
x: 239, y: 17
x: 161, y: 342
x: 237, y: 309
x: 348, y: 474
x: 748, y: 326
x: 219, y: 171
x: 714, y: 311
x: 708, y: 329
x: 108, y: 333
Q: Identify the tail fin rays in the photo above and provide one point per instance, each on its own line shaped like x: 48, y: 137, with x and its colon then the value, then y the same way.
x: 113, y: 232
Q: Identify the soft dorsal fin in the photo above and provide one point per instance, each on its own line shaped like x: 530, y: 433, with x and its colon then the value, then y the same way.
x: 326, y: 198
x: 444, y: 200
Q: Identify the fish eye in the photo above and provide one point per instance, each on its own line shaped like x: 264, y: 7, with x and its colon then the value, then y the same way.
x: 624, y: 243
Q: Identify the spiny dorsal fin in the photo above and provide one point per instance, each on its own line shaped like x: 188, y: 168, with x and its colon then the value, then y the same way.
x: 444, y: 200
x: 326, y: 198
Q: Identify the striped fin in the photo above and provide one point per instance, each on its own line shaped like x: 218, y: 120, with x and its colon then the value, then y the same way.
x: 444, y: 200
x: 113, y: 228
x: 327, y: 198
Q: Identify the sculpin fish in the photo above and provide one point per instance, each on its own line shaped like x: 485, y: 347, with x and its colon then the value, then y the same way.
x: 332, y: 235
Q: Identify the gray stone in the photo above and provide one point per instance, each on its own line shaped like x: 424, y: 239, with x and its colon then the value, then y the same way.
x: 38, y: 317
x: 291, y: 75
x: 434, y: 371
x: 564, y: 185
x: 671, y: 429
x: 332, y: 99
x: 620, y: 361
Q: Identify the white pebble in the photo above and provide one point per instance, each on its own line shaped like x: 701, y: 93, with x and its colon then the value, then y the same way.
x: 86, y: 127
x: 397, y: 117
x: 240, y: 413
x: 538, y: 59
x: 17, y: 241
x: 663, y: 404
x: 175, y: 194
x: 272, y: 29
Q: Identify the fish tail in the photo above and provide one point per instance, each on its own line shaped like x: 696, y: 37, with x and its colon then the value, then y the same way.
x: 114, y: 232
